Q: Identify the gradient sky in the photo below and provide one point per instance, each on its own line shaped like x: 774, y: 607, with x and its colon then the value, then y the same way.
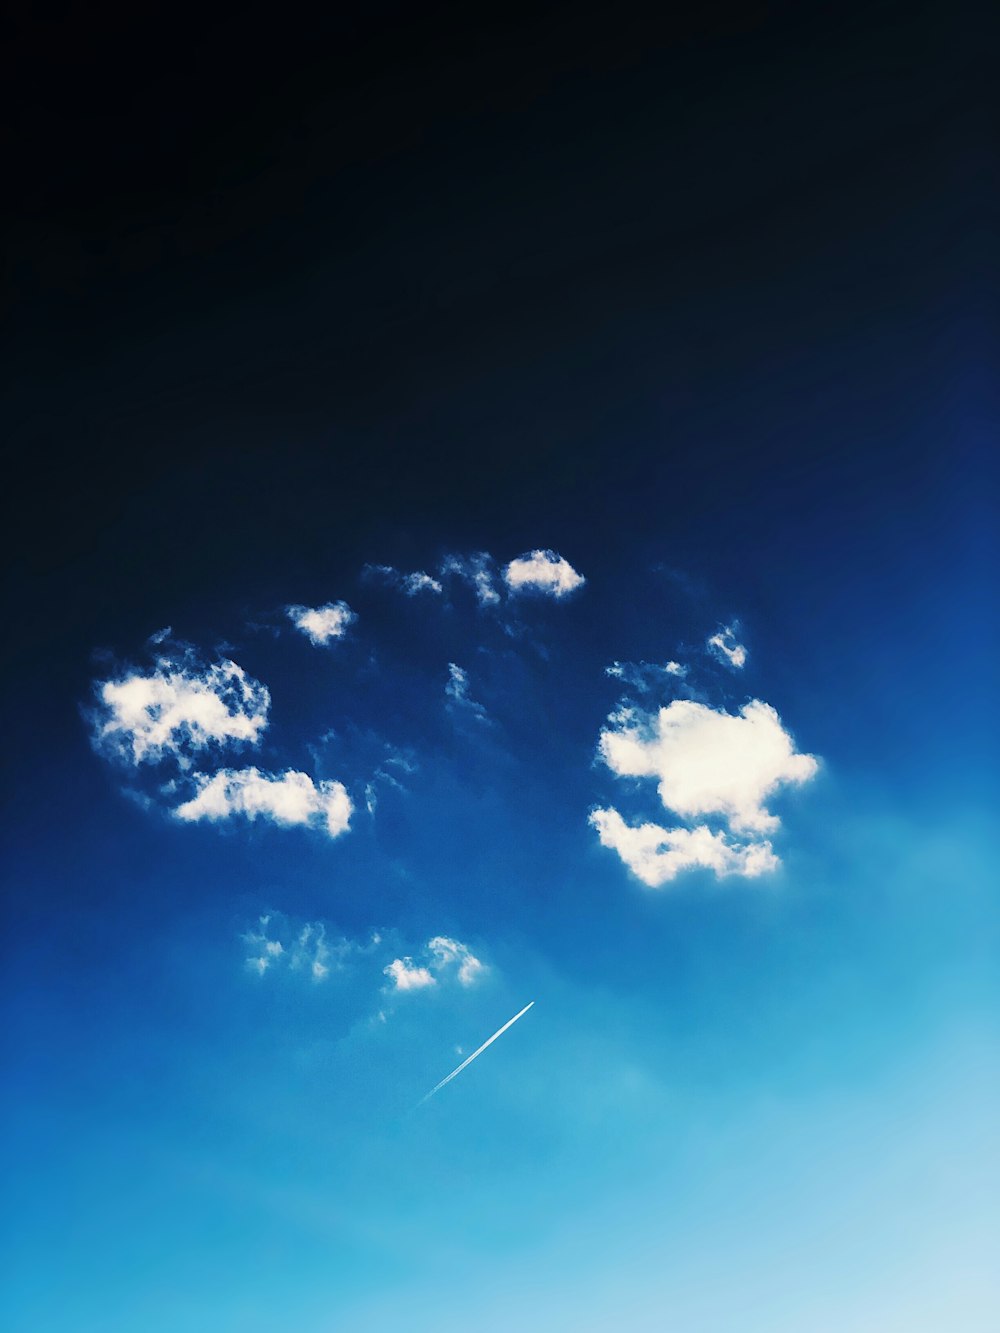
x: 460, y: 385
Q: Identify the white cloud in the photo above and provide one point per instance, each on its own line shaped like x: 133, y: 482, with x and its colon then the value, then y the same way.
x: 542, y: 571
x: 724, y: 646
x: 448, y: 952
x: 443, y: 955
x: 477, y: 569
x: 287, y: 799
x: 707, y: 761
x: 321, y: 624
x: 179, y: 707
x: 411, y: 584
x: 657, y: 855
x: 457, y: 692
x: 405, y: 975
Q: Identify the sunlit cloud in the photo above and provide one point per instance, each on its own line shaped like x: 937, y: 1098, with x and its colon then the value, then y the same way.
x: 405, y: 975
x: 179, y: 708
x: 543, y: 572
x: 287, y: 799
x: 708, y: 761
x: 657, y: 855
x: 322, y: 624
x: 443, y: 957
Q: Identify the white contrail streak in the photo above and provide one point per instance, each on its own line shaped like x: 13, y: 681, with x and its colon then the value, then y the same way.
x: 468, y: 1061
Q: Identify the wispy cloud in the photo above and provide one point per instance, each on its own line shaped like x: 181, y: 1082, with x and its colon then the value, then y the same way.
x: 322, y: 624
x: 645, y: 675
x: 724, y: 645
x: 450, y: 953
x: 457, y: 693
x: 180, y: 707
x: 542, y: 572
x: 417, y: 581
x: 277, y: 944
x: 478, y: 570
x: 306, y: 950
x: 286, y: 799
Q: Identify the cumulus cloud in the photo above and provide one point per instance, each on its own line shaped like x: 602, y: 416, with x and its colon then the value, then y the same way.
x: 444, y: 956
x: 322, y: 624
x: 723, y: 644
x: 657, y: 855
x: 457, y: 692
x: 708, y: 761
x: 286, y: 799
x: 477, y: 570
x: 415, y: 582
x: 406, y: 975
x: 544, y: 572
x: 180, y: 707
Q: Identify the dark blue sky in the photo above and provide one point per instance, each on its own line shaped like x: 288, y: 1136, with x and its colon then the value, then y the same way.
x: 706, y: 311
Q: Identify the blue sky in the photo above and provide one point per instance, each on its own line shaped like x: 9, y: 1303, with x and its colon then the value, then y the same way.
x: 754, y: 1098
x: 502, y: 516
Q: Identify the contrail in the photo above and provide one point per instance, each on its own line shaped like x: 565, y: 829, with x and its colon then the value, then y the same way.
x: 488, y: 1042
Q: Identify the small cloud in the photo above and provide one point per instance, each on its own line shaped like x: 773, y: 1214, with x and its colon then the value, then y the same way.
x: 657, y: 855
x: 708, y: 761
x: 544, y: 572
x: 405, y: 975
x: 644, y: 675
x: 411, y: 584
x: 457, y: 693
x: 286, y: 799
x: 304, y: 949
x: 723, y: 645
x: 322, y: 624
x: 443, y: 956
x: 477, y: 570
x: 449, y: 953
x: 181, y: 706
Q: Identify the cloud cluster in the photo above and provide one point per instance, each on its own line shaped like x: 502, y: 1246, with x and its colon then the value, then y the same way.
x: 286, y: 799
x: 724, y: 645
x: 443, y: 957
x: 542, y: 572
x: 322, y: 624
x: 707, y: 762
x: 180, y: 707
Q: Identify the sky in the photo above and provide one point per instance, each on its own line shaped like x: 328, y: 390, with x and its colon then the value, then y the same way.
x: 502, y: 514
